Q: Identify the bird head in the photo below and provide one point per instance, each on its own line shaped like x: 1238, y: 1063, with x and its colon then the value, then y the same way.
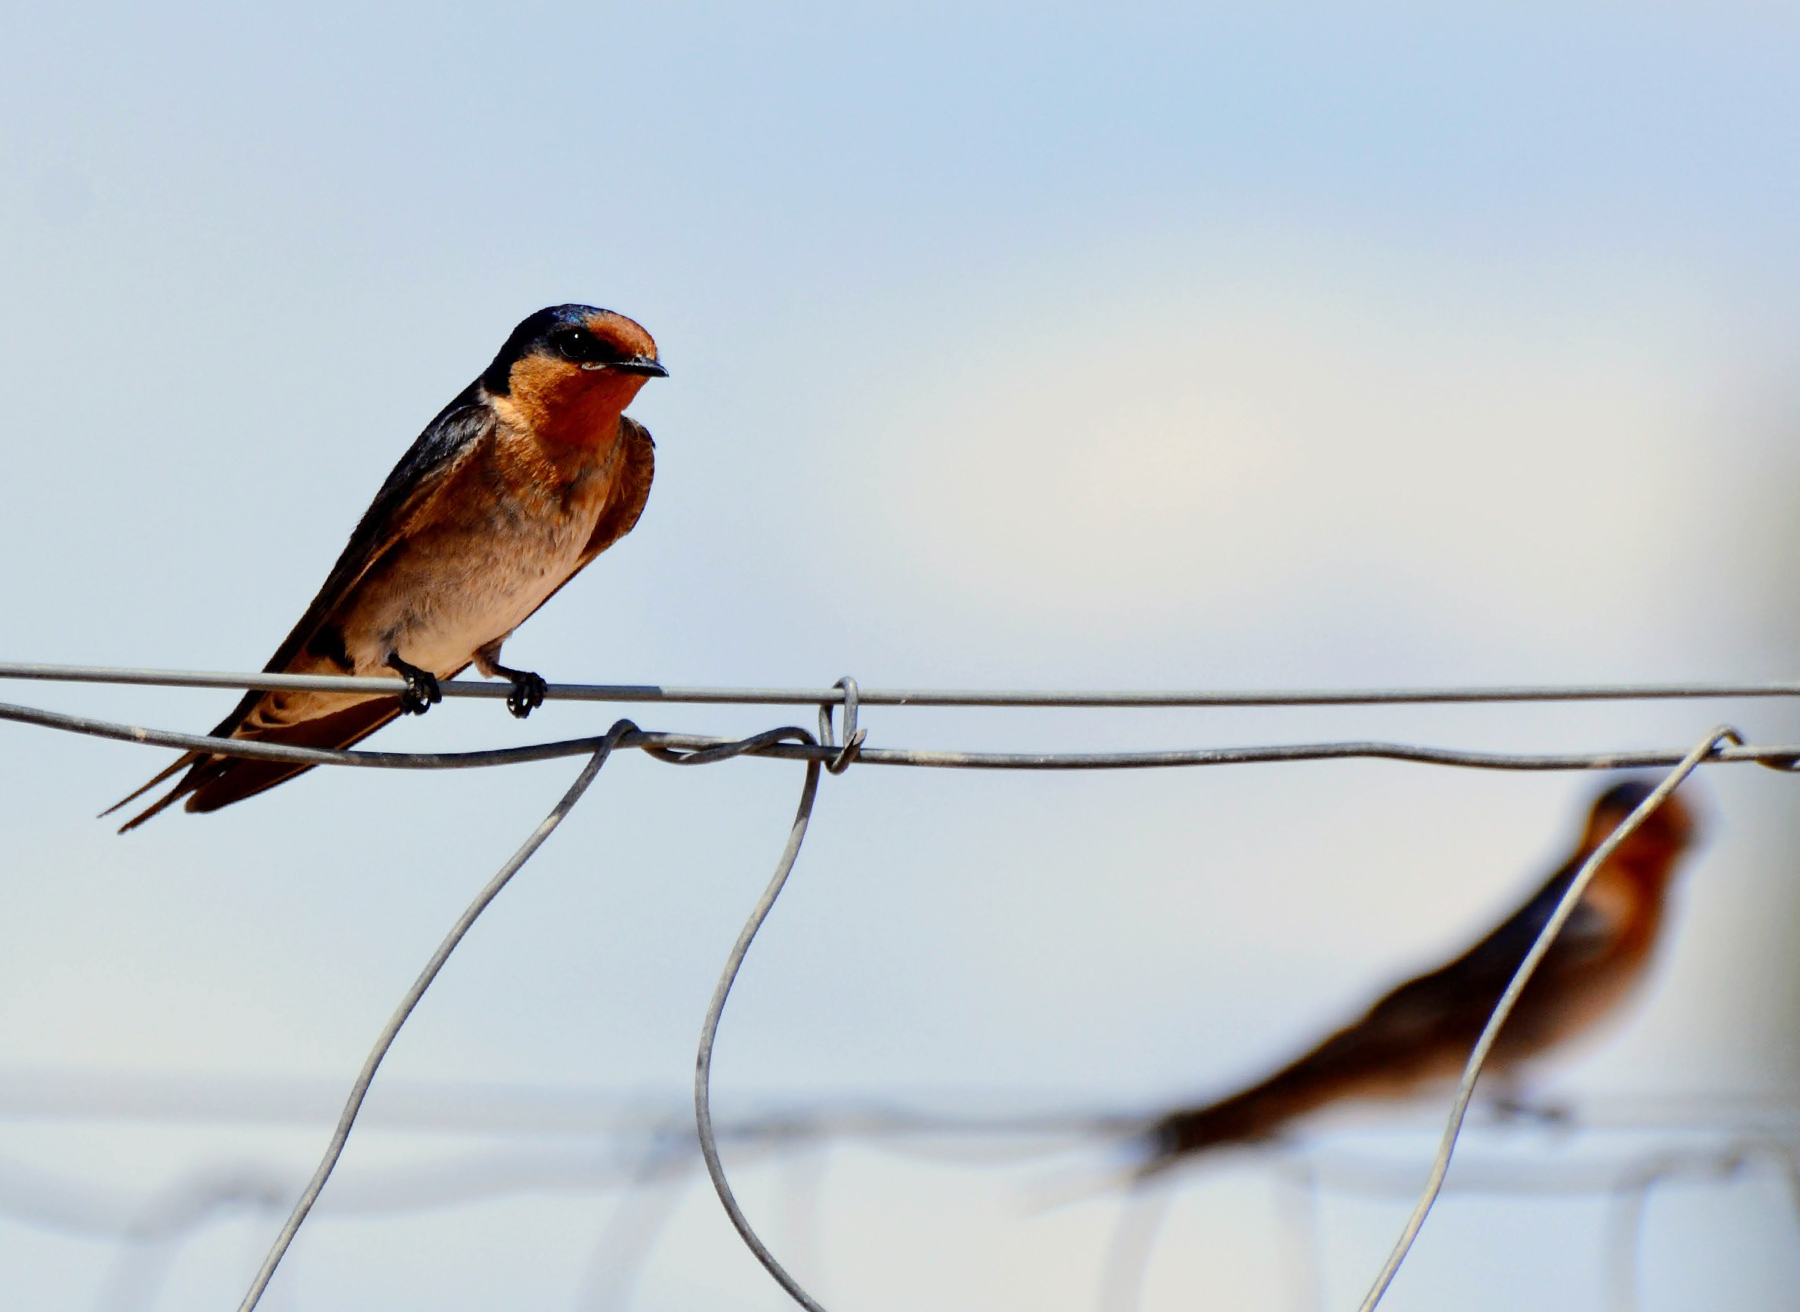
x: 573, y: 363
x: 1655, y: 844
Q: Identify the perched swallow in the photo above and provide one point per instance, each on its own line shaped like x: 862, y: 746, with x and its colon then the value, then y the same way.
x: 531, y: 472
x: 1422, y: 1033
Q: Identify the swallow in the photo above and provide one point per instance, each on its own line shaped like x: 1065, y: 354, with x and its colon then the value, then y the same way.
x: 531, y: 472
x: 1421, y: 1034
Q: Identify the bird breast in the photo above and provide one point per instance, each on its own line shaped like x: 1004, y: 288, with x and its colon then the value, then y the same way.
x: 463, y: 580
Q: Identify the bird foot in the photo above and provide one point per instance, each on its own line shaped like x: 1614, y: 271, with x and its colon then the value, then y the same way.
x: 527, y: 693
x: 528, y: 689
x: 1550, y: 1114
x: 422, y: 691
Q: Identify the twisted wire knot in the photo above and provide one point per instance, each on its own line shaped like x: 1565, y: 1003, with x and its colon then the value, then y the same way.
x: 853, y: 736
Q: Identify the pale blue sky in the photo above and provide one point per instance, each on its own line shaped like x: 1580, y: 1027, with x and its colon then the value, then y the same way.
x: 1008, y: 347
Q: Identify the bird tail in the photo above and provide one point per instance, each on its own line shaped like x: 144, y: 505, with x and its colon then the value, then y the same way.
x: 1255, y: 1113
x: 186, y: 760
x: 1337, y: 1069
x: 215, y: 781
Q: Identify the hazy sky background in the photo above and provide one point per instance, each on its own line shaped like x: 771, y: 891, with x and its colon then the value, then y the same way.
x: 1145, y: 348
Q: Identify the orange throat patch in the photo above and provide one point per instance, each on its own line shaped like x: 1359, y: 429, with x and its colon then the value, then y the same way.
x: 562, y: 405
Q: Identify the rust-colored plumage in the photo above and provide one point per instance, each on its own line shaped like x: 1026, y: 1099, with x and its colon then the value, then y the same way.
x: 1422, y: 1032
x: 530, y: 473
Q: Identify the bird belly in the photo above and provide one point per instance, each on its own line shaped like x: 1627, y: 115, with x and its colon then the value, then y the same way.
x: 1583, y: 986
x: 503, y: 537
x: 448, y: 592
x: 499, y: 545
x: 455, y: 589
x: 1574, y: 1009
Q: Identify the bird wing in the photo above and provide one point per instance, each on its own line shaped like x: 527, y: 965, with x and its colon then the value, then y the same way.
x: 447, y: 443
x: 1452, y: 1003
x: 630, y: 494
x: 1423, y: 1029
x: 449, y: 440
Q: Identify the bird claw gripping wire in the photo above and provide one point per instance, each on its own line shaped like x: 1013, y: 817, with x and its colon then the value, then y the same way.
x: 422, y: 691
x: 527, y: 693
x: 853, y: 736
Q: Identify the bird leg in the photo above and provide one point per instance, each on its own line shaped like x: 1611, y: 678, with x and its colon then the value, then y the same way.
x: 528, y: 689
x: 1513, y: 1108
x: 422, y: 691
x: 527, y: 693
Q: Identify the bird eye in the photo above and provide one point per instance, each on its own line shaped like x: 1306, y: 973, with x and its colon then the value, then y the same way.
x: 575, y: 345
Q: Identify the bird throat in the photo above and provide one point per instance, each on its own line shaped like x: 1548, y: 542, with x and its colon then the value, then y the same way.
x: 565, y: 408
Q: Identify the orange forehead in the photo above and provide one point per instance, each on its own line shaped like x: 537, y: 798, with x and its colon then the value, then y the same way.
x: 625, y: 333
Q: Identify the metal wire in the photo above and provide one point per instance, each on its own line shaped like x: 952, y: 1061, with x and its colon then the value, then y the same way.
x: 622, y: 730
x: 168, y: 1218
x: 1782, y: 757
x: 1521, y: 977
x: 644, y: 1209
x: 853, y: 736
x: 1303, y: 1264
x: 1721, y: 745
x: 665, y: 1145
x: 1631, y: 1198
x: 1302, y: 1176
x: 1126, y: 1259
x: 838, y: 695
x: 650, y: 1154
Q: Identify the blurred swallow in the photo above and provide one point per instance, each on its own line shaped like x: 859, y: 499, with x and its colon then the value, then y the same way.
x: 531, y: 472
x: 1422, y: 1032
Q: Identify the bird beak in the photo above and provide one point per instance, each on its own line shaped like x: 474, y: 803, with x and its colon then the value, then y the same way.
x: 645, y: 365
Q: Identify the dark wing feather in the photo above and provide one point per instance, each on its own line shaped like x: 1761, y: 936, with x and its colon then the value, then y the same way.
x: 446, y: 443
x: 233, y: 778
x: 627, y: 504
x: 1482, y: 973
x: 448, y: 440
x: 1451, y: 1005
x: 216, y: 781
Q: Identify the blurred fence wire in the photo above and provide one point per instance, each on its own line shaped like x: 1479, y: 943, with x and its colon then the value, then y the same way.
x: 193, y: 1200
x: 647, y: 1156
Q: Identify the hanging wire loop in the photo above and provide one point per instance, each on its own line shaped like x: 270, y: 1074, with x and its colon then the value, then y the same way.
x: 709, y: 1147
x: 391, y: 1031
